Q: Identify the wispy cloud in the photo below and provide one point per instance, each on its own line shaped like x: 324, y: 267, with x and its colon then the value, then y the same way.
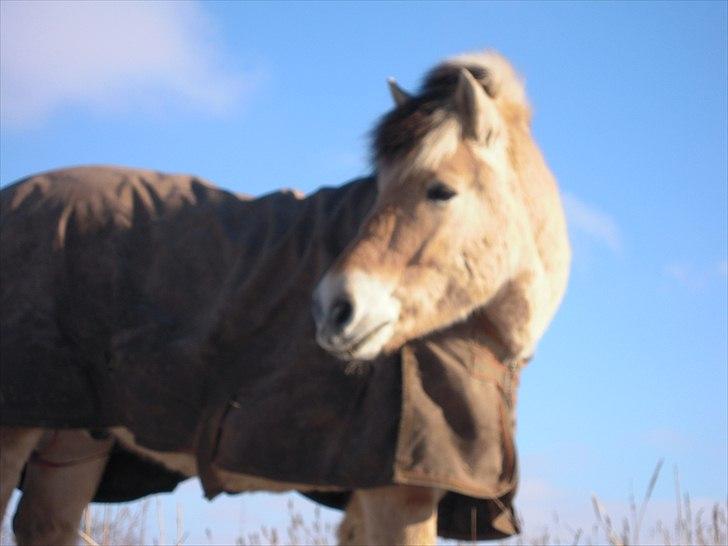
x: 592, y: 222
x: 693, y: 277
x: 109, y: 55
x: 666, y: 439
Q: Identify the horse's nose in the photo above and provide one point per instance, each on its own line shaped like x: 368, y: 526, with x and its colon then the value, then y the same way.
x: 340, y: 315
x: 334, y: 319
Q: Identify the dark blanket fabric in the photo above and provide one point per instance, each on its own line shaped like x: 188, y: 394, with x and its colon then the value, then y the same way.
x: 181, y: 311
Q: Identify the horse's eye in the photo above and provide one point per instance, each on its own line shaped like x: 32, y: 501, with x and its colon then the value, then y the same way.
x: 440, y: 192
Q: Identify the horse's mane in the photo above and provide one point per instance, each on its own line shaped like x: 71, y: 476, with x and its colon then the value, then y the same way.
x: 428, y: 112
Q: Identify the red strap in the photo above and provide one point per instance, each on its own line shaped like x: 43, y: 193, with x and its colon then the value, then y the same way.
x: 38, y: 459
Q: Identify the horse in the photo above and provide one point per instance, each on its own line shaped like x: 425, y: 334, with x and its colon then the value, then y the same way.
x: 148, y: 311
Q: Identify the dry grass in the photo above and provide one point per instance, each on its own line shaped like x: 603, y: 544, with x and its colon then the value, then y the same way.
x: 109, y: 525
x: 298, y: 531
x: 698, y: 529
x: 688, y: 528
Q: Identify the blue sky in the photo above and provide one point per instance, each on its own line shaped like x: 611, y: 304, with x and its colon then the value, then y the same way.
x: 630, y: 103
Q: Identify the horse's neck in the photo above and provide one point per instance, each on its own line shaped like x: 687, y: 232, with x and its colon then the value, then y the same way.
x: 286, y: 245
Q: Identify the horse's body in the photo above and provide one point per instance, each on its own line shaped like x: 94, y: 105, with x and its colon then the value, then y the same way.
x: 175, y: 316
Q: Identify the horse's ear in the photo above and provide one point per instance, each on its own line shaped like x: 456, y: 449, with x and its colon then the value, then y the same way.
x: 478, y: 113
x: 399, y: 95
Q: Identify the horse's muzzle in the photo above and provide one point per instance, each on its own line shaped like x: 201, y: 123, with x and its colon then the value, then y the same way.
x: 355, y: 315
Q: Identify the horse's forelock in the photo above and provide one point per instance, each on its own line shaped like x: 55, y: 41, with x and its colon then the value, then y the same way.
x: 406, y: 128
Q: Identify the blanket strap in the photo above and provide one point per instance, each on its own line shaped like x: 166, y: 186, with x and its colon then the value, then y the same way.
x: 36, y: 458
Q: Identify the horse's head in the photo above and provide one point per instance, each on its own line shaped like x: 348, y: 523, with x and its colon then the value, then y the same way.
x: 435, y: 245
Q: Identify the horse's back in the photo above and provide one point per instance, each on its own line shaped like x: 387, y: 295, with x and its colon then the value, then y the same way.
x: 86, y: 226
x: 86, y: 253
x: 95, y: 192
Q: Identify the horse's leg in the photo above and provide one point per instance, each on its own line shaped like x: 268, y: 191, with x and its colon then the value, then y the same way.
x: 351, y: 528
x: 16, y: 445
x: 400, y: 514
x: 59, y: 483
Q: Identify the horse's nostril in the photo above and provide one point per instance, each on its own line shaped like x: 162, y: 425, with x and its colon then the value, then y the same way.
x: 341, y: 313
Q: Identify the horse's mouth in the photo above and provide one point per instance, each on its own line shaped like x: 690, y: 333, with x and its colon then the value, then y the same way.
x: 348, y: 353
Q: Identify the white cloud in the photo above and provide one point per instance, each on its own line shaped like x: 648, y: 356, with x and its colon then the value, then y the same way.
x: 590, y: 221
x: 109, y: 55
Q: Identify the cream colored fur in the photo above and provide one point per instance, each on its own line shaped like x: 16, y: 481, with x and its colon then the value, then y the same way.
x: 402, y: 514
x: 49, y: 511
x: 16, y: 445
x: 390, y: 515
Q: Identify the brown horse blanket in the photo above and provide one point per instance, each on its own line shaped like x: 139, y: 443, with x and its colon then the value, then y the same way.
x: 181, y: 311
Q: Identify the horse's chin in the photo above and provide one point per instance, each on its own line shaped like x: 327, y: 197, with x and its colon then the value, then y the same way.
x: 368, y: 347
